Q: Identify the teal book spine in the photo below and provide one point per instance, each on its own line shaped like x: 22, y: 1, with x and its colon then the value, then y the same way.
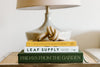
x: 76, y: 57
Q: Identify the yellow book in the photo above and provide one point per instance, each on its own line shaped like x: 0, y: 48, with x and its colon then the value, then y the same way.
x: 50, y: 43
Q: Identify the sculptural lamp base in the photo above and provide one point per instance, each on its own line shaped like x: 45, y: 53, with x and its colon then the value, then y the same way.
x: 33, y: 35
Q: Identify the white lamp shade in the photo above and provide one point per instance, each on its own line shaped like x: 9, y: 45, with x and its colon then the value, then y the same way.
x: 53, y: 4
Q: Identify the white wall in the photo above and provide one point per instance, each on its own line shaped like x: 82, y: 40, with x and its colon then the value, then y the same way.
x: 84, y: 21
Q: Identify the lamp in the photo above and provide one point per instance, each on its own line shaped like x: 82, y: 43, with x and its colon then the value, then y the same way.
x: 44, y: 4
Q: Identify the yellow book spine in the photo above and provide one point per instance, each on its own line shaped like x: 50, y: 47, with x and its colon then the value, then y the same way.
x: 48, y: 43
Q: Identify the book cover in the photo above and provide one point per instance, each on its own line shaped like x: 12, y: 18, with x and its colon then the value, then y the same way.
x: 50, y: 43
x: 51, y: 49
x: 76, y: 57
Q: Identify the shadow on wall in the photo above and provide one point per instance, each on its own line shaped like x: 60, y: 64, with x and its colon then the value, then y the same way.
x: 88, y: 39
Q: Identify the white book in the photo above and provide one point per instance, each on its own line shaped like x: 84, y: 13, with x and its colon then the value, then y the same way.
x: 51, y: 49
x: 94, y: 53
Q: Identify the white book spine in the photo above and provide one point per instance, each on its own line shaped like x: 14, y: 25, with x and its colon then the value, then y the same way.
x: 51, y: 49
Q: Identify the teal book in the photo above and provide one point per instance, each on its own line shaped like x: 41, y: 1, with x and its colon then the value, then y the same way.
x: 75, y: 57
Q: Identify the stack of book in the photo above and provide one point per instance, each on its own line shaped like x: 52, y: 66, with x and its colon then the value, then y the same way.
x: 51, y: 52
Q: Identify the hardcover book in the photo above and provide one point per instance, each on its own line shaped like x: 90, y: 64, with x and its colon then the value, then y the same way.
x: 50, y: 43
x: 51, y: 49
x: 76, y: 57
